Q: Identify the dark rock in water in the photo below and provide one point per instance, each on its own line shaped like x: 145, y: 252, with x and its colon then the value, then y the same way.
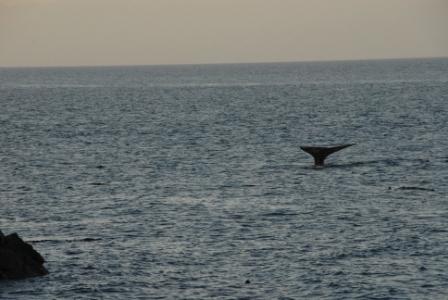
x: 18, y: 259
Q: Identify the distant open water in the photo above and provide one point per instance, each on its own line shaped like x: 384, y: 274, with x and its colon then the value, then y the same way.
x: 187, y: 182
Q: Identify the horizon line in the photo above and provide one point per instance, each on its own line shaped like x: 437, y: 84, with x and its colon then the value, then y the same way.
x: 220, y: 63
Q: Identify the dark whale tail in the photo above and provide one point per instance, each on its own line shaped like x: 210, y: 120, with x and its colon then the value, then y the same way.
x: 321, y: 153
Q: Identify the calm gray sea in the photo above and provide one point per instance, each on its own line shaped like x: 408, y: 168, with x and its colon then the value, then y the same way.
x: 187, y: 182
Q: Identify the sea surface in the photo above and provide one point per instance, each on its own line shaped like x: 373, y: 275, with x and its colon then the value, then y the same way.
x: 187, y: 182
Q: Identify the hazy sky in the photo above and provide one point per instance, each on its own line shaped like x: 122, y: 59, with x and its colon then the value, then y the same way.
x: 117, y: 32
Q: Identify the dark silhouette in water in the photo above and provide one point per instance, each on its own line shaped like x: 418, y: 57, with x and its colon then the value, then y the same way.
x: 18, y: 259
x: 321, y: 153
x: 415, y: 188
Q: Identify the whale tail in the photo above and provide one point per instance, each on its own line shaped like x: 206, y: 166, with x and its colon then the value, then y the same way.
x: 321, y: 153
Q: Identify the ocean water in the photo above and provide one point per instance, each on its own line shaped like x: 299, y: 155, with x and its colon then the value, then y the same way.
x: 187, y: 182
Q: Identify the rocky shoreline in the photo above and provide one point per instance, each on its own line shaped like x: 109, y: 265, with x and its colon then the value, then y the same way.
x: 18, y: 259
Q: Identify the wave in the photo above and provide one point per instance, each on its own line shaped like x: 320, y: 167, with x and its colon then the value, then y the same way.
x: 64, y: 240
x: 415, y: 188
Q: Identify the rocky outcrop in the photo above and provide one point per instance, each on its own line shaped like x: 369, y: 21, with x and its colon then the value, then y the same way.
x: 18, y: 259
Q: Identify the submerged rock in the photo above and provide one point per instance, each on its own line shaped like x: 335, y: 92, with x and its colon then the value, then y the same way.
x: 18, y: 259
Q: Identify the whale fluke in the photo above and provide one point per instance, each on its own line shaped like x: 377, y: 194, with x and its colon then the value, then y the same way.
x: 321, y: 153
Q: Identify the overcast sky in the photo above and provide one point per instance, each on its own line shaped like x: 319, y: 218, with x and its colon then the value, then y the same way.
x: 129, y: 32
